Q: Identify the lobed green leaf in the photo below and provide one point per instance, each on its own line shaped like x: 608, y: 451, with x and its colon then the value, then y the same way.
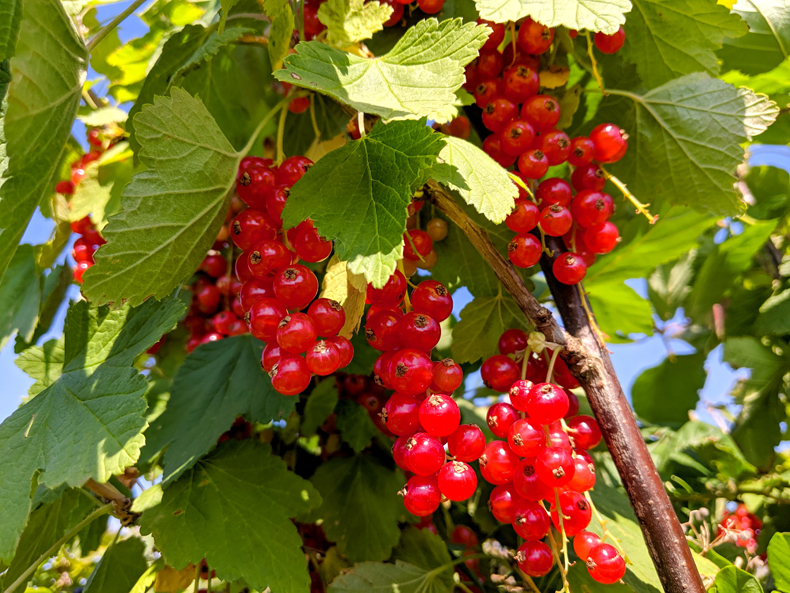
x: 592, y: 15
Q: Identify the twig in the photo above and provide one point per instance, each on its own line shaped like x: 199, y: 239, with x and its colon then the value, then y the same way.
x: 640, y: 207
x: 108, y: 28
x: 594, y: 63
x: 253, y: 40
x: 556, y: 551
x: 106, y: 491
x: 281, y: 135
x: 528, y: 580
x: 56, y: 546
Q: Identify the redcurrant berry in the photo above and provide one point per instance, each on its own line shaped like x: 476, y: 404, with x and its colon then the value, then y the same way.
x: 457, y: 480
x: 610, y: 44
x: 433, y: 298
x: 524, y: 250
x: 290, y: 375
x: 534, y: 38
x: 500, y: 418
x: 526, y: 437
x: 569, y: 268
x: 421, y: 495
x: 440, y: 415
x: 296, y: 286
x: 467, y: 443
x: 499, y: 372
x: 498, y: 463
x: 534, y: 558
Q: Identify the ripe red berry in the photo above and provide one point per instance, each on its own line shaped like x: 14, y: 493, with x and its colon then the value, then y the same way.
x: 553, y: 191
x: 253, y: 290
x: 531, y: 521
x: 489, y: 64
x: 267, y: 258
x: 264, y: 318
x: 223, y: 321
x: 583, y: 475
x: 345, y: 348
x: 292, y: 169
x: 533, y: 164
x: 79, y: 270
x: 421, y: 495
x: 82, y: 225
x: 610, y: 143
x: 391, y: 294
x: 546, y: 403
x: 528, y: 484
x: 440, y: 415
x: 66, y: 188
x: 498, y: 112
x: 498, y: 463
x: 591, y: 208
x: 526, y: 437
x: 556, y: 146
x: 296, y: 286
x: 520, y: 83
x: 433, y: 298
x: 424, y: 454
x: 290, y: 375
x: 275, y: 202
x: 447, y: 375
x: 534, y: 38
x: 271, y: 354
x: 610, y: 44
x: 554, y: 466
x: 583, y: 542
x: 82, y: 250
x: 588, y: 177
x: 213, y: 265
x: 605, y: 565
x: 463, y: 535
x: 573, y: 404
x: 254, y: 181
x: 512, y: 341
x: 381, y: 330
x: 575, y: 510
x: 534, y: 558
x: 602, y: 238
x: 492, y: 146
x: 585, y: 432
x: 457, y: 480
x: 558, y: 437
x: 499, y: 372
x: 328, y: 317
x: 208, y: 296
x: 542, y: 111
x: 495, y: 38
x: 524, y: 250
x: 402, y: 414
x: 555, y: 220
x: 524, y: 217
x: 399, y: 453
x: 504, y: 502
x: 516, y: 137
x: 412, y: 371
x: 467, y: 443
x: 485, y: 91
x: 500, y: 417
x: 296, y: 333
x: 310, y: 247
x: 430, y: 6
x: 519, y: 394
x: 323, y: 358
x: 418, y: 244
x: 419, y: 330
x: 569, y: 268
x: 312, y: 26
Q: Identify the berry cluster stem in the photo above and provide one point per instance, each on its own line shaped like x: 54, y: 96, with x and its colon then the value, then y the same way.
x: 603, y: 523
x: 566, y: 587
x: 281, y: 136
x: 640, y: 207
x: 594, y: 63
x: 590, y: 316
x: 550, y: 371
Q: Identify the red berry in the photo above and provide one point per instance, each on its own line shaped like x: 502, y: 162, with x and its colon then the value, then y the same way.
x: 440, y: 415
x: 485, y: 91
x: 546, y: 403
x: 254, y: 290
x: 553, y: 191
x: 492, y: 146
x: 531, y: 521
x: 275, y: 203
x: 591, y: 208
x: 576, y: 513
x: 533, y: 164
x: 312, y: 26
x: 430, y: 6
x: 292, y: 169
x: 498, y: 112
x: 534, y: 558
x: 467, y: 443
x: 528, y: 484
x: 584, y: 542
x: 402, y: 414
x: 420, y: 331
x: 381, y: 330
x: 554, y: 466
x: 499, y: 372
x: 585, y: 432
x: 391, y: 294
x: 569, y: 268
x: 542, y: 111
x: 345, y: 348
x: 399, y: 452
x: 211, y: 337
x: 208, y: 297
x: 271, y: 354
x: 290, y: 375
x: 489, y: 64
x: 602, y: 238
x: 588, y: 177
x: 582, y: 151
x: 605, y: 565
x: 526, y: 437
x: 328, y: 317
x: 524, y: 250
x: 460, y: 128
x: 447, y: 375
x: 496, y: 37
x: 254, y: 182
x: 421, y: 495
x: 79, y: 270
x: 556, y: 146
x: 267, y: 258
x: 424, y: 454
x: 498, y: 463
x: 264, y: 318
x: 83, y: 225
x: 295, y: 286
x: 397, y: 12
x: 66, y: 188
x: 457, y: 480
x: 512, y: 341
x: 242, y: 268
x: 431, y: 297
x: 524, y: 217
x: 504, y: 502
x: 555, y: 220
x: 412, y: 371
x: 516, y: 137
x: 610, y: 44
x: 534, y: 38
x: 463, y: 534
x: 310, y: 247
x: 82, y: 250
x: 223, y: 321
x: 519, y: 393
x: 299, y: 104
x: 520, y: 83
x: 423, y: 244
x: 583, y: 475
x: 500, y: 417
x: 214, y: 265
x: 610, y: 143
x: 558, y: 437
x: 296, y: 333
x: 250, y: 227
x: 573, y: 401
x: 323, y: 358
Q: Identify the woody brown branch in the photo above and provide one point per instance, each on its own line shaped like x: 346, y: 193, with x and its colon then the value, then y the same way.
x: 588, y: 360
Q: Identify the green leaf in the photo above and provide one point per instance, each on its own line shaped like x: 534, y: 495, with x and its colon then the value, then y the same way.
x: 19, y: 296
x: 350, y: 21
x: 119, y: 568
x: 573, y: 14
x: 46, y: 525
x: 226, y: 6
x: 361, y: 508
x: 427, y: 550
x: 766, y: 44
x: 483, y: 320
x: 477, y: 178
x: 757, y: 429
x: 42, y: 102
x: 668, y: 159
x: 300, y: 133
x: 355, y: 426
x: 43, y: 363
x: 669, y: 38
x: 168, y: 220
x: 779, y: 560
x: 209, y: 49
x: 282, y: 18
x: 320, y: 404
x: 669, y: 285
x: 774, y: 315
x: 619, y: 310
x: 98, y: 391
x: 417, y: 78
x: 54, y: 287
x: 358, y: 195
x: 667, y: 392
x: 99, y: 193
x: 233, y: 508
x: 379, y: 577
x: 732, y: 579
x: 10, y: 17
x: 217, y: 382
x: 104, y: 116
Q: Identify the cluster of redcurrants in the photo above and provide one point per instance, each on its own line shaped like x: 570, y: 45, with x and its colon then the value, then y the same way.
x: 275, y: 288
x: 528, y: 135
x: 745, y: 525
x: 418, y: 248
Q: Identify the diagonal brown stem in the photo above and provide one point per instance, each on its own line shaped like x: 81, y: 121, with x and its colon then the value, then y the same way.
x: 588, y: 360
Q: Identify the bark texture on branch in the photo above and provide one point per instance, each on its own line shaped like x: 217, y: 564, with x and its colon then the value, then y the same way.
x: 588, y: 360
